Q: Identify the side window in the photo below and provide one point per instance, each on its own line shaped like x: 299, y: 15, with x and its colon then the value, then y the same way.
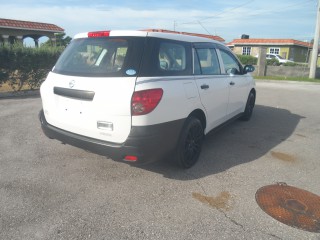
x: 231, y: 65
x: 172, y: 57
x: 166, y: 57
x: 208, y: 61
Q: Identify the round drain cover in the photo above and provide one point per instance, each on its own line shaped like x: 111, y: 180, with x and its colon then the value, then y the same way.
x: 290, y: 205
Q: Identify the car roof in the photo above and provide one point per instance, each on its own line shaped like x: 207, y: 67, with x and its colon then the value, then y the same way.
x: 172, y: 36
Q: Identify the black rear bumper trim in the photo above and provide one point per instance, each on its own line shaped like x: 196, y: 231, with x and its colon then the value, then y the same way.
x: 148, y: 143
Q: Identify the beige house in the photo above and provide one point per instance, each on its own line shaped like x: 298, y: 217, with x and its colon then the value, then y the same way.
x: 290, y: 49
x: 12, y: 31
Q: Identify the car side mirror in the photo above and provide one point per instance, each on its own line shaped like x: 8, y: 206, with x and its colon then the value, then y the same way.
x: 248, y: 68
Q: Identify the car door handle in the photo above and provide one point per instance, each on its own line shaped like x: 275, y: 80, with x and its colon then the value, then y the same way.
x: 232, y: 83
x: 204, y: 86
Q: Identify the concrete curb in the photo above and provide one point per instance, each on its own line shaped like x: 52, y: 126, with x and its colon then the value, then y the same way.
x: 286, y: 81
x: 20, y: 94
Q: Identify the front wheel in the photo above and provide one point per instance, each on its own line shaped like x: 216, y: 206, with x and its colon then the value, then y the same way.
x: 190, y: 142
x: 249, y: 107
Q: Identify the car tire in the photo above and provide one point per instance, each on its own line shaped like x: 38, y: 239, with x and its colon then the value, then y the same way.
x: 190, y: 143
x: 249, y: 107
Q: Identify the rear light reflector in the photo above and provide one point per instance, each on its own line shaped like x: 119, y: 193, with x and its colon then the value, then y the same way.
x: 99, y: 34
x: 130, y: 158
x: 144, y: 102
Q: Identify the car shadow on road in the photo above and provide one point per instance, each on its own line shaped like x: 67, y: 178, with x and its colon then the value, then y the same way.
x: 237, y: 143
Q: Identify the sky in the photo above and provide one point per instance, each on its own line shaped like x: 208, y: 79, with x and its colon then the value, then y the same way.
x: 294, y: 19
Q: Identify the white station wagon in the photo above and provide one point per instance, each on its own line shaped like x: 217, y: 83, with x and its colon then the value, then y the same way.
x: 141, y: 96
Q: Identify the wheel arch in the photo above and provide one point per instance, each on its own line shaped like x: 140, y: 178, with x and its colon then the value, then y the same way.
x: 253, y: 91
x: 198, y: 113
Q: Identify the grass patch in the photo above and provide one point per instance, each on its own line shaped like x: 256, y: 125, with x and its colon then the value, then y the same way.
x: 298, y: 79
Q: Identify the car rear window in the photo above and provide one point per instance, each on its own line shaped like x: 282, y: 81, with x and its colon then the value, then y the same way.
x: 112, y: 56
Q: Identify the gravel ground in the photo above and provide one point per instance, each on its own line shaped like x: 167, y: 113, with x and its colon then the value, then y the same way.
x: 53, y: 191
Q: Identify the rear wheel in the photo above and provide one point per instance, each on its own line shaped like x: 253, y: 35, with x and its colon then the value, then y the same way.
x: 249, y: 107
x: 190, y: 142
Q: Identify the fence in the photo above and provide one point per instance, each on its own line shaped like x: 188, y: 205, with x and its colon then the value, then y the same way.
x: 287, y: 71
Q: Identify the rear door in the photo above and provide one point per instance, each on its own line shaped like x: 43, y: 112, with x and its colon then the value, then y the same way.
x: 89, y: 91
x: 212, y: 86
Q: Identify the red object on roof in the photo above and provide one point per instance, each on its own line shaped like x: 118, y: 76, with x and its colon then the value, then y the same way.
x: 217, y: 38
x: 265, y: 41
x: 17, y: 24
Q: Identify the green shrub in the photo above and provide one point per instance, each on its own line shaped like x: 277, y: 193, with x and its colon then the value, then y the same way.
x: 21, y: 65
x: 248, y: 60
x: 3, y: 76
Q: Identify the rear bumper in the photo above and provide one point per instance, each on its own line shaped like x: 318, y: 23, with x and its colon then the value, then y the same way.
x: 147, y: 143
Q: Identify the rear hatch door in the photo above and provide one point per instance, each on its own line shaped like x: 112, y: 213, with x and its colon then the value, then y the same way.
x: 89, y: 91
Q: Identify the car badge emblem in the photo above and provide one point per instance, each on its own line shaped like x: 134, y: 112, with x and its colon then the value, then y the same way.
x: 72, y: 83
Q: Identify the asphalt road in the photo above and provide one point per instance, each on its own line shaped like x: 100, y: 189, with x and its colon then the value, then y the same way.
x: 53, y: 191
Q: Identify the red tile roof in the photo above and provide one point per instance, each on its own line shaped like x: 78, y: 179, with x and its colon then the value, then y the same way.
x: 217, y: 38
x: 17, y: 24
x: 265, y: 41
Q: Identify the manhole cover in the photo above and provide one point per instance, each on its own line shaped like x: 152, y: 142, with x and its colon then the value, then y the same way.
x: 290, y: 205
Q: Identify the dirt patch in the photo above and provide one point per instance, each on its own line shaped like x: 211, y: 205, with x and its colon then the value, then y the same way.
x: 301, y: 135
x: 283, y: 156
x: 220, y: 202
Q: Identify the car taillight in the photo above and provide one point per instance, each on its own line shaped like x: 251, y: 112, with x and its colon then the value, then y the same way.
x: 99, y: 34
x: 144, y: 102
x: 130, y: 158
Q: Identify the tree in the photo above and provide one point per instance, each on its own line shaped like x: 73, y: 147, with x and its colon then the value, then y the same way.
x: 61, y: 41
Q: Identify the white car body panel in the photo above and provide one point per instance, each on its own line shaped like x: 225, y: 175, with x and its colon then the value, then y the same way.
x: 81, y: 117
x: 179, y: 100
x: 214, y: 98
x: 239, y: 91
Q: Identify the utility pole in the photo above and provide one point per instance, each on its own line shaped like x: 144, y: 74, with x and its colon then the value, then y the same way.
x: 314, y: 56
x: 262, y: 61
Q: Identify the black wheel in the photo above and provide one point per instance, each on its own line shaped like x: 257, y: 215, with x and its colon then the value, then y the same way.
x: 249, y: 107
x: 190, y: 142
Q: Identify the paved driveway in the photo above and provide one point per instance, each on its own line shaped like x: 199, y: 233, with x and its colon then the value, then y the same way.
x: 53, y: 191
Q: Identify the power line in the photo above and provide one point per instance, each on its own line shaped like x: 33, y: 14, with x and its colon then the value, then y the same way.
x: 263, y: 12
x: 229, y: 10
x: 218, y: 14
x: 285, y: 8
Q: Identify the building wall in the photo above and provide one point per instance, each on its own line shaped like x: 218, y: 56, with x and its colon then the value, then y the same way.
x: 299, y: 54
x: 295, y: 53
x: 11, y: 36
x: 254, y: 50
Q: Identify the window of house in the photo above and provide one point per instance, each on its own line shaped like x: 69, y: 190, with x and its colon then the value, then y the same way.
x: 274, y: 50
x: 246, y: 51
